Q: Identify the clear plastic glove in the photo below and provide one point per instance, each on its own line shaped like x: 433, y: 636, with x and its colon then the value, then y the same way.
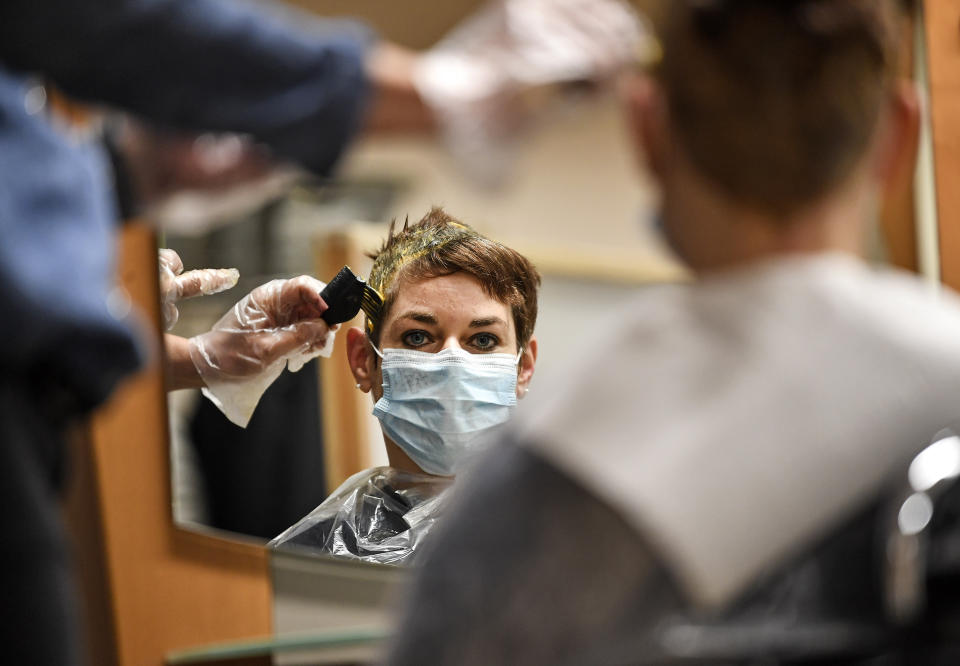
x: 492, y: 75
x: 277, y: 324
x: 175, y: 285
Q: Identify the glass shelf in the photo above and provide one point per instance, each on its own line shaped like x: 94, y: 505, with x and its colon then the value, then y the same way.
x: 314, y: 642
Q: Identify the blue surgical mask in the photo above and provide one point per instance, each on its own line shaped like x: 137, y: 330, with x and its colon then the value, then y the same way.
x: 440, y: 408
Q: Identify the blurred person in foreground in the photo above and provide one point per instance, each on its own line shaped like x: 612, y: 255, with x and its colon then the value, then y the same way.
x: 710, y: 484
x: 446, y: 359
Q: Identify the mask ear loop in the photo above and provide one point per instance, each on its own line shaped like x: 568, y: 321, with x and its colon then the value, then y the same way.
x: 374, y: 347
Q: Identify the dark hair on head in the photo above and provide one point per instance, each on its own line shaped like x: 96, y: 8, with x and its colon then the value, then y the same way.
x: 440, y: 245
x: 775, y: 101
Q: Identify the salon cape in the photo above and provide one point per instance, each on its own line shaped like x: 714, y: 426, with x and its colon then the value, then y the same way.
x: 377, y: 515
x: 734, y: 420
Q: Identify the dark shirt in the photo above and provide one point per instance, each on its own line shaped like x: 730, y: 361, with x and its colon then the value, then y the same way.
x: 530, y: 568
x: 193, y: 65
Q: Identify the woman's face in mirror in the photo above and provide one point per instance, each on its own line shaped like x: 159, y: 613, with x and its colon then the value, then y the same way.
x: 435, y: 313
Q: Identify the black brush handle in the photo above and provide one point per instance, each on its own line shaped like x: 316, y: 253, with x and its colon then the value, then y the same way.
x: 343, y: 297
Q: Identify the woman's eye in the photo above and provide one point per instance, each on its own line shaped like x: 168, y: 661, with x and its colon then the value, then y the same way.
x: 416, y: 338
x: 485, y: 341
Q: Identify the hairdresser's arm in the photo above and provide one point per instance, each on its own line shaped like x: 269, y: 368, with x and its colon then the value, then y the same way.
x: 181, y: 372
x: 299, y: 85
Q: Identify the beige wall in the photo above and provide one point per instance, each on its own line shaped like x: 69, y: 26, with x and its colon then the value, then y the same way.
x: 416, y: 23
x: 575, y: 184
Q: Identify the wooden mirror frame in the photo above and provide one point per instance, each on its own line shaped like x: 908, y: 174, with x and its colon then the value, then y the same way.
x: 148, y: 585
x: 941, y: 20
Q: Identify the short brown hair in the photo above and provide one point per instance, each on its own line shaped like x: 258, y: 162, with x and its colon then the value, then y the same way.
x: 440, y: 245
x: 775, y: 101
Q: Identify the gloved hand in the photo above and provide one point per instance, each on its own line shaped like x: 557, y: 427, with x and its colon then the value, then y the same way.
x: 276, y: 324
x: 490, y: 77
x: 176, y: 285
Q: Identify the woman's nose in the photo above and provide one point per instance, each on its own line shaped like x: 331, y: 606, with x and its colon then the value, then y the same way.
x: 451, y: 343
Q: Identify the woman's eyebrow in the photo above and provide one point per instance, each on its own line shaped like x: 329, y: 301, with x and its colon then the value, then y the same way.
x: 487, y: 321
x: 422, y: 317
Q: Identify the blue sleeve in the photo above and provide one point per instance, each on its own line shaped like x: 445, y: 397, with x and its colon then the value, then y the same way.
x: 292, y: 81
x: 56, y: 260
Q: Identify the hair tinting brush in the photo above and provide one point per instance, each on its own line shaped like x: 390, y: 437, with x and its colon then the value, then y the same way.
x: 346, y: 295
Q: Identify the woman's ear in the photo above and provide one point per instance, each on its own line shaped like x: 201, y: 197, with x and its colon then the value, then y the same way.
x: 647, y: 119
x: 899, y: 137
x: 527, y: 362
x: 358, y: 356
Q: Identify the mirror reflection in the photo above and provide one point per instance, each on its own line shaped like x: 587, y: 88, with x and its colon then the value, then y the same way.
x: 312, y: 430
x: 312, y: 469
x: 567, y: 198
x: 315, y: 468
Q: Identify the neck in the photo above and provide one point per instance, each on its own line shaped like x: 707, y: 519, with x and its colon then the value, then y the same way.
x: 712, y: 233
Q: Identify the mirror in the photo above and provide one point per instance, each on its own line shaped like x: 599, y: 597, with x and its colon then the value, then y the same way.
x: 263, y: 479
x: 575, y: 206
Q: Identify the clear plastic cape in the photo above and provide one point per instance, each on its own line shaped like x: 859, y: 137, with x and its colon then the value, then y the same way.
x: 378, y: 515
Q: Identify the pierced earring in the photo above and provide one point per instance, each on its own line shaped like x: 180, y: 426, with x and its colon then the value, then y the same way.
x: 358, y: 386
